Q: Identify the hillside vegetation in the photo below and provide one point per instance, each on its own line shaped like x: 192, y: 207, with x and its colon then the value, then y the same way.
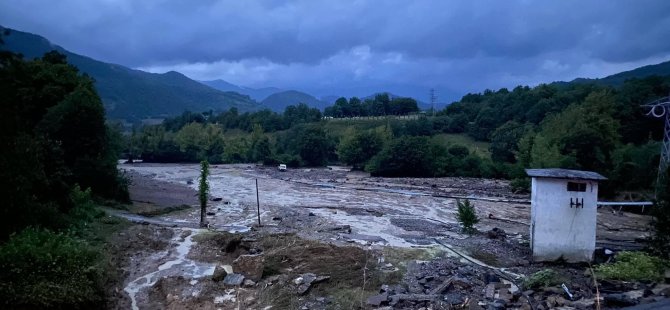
x: 489, y: 134
x: 58, y: 156
x: 134, y: 94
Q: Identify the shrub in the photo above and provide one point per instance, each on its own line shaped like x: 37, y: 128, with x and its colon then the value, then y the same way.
x: 467, y: 215
x: 542, y: 278
x: 520, y: 185
x: 633, y: 266
x: 43, y: 269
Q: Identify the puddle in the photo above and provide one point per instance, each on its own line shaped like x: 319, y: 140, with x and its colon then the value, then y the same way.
x: 178, y: 265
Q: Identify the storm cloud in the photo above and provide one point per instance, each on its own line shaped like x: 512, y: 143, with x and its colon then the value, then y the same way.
x: 359, y: 47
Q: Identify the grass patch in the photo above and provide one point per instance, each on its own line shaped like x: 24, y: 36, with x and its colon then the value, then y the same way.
x: 478, y: 147
x: 633, y: 266
x: 150, y: 210
x: 543, y: 278
x: 484, y: 256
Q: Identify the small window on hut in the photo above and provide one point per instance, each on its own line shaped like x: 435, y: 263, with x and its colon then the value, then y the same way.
x: 576, y: 187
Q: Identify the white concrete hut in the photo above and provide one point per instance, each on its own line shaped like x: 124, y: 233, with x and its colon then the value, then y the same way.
x: 563, y: 214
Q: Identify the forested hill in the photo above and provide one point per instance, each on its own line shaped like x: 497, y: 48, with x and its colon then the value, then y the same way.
x: 661, y: 69
x: 279, y: 101
x: 134, y: 94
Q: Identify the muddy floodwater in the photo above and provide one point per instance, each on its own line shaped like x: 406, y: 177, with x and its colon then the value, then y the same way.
x: 400, y: 212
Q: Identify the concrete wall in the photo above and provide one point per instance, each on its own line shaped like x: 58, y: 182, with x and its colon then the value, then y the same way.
x: 556, y: 229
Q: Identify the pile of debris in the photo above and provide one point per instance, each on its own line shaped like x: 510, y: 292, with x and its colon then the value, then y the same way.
x: 447, y: 283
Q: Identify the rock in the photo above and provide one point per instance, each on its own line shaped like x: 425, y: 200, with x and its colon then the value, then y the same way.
x: 462, y: 282
x: 276, y: 218
x: 210, y: 213
x: 619, y: 300
x: 634, y: 295
x: 505, y: 294
x: 305, y: 282
x: 523, y: 263
x: 496, y: 233
x: 312, y: 214
x: 298, y: 281
x: 454, y: 298
x: 248, y: 283
x: 377, y: 300
x: 498, y: 304
x: 233, y: 279
x: 216, y: 199
x: 661, y: 289
x: 189, y: 182
x: 491, y: 278
x: 219, y: 273
x: 490, y: 291
x: 250, y: 265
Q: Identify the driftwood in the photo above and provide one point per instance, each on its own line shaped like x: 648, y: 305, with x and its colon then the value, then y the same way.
x: 439, y: 289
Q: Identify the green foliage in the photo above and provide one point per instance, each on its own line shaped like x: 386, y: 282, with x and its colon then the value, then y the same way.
x: 42, y: 269
x: 53, y: 133
x: 381, y: 104
x: 633, y: 266
x: 659, y: 243
x: 407, y: 156
x: 356, y: 148
x: 542, y: 278
x: 520, y: 185
x: 467, y: 215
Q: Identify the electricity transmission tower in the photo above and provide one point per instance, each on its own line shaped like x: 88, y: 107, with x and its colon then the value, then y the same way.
x: 433, y: 99
x: 661, y: 108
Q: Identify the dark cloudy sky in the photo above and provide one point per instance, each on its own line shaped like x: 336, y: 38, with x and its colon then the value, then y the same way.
x: 358, y: 47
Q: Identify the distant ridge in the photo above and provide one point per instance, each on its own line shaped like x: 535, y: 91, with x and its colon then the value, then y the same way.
x: 258, y: 94
x: 131, y: 94
x: 279, y: 101
x: 660, y: 69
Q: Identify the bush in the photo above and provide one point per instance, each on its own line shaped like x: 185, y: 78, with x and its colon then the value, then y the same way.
x: 542, y: 278
x: 43, y: 269
x: 520, y: 185
x: 633, y: 266
x: 467, y: 215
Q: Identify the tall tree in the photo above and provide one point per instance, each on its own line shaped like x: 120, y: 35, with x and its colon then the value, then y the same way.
x: 203, y: 191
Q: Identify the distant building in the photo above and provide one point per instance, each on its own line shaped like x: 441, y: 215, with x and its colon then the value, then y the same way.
x: 563, y: 214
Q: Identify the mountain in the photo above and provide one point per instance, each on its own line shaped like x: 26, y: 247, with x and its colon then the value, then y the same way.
x: 134, y: 94
x: 279, y: 101
x: 661, y: 69
x: 258, y: 94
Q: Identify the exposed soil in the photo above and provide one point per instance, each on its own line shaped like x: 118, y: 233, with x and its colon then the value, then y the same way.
x: 360, y: 232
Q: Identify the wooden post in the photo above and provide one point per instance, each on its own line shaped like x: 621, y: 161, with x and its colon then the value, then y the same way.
x: 258, y: 205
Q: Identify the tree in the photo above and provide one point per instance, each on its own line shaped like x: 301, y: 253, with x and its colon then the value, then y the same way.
x: 467, y: 215
x: 203, y: 191
x: 408, y: 157
x: 314, y: 146
x: 356, y: 148
x: 260, y: 145
x: 505, y: 140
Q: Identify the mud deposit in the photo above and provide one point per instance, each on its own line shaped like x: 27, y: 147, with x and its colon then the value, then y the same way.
x: 329, y: 239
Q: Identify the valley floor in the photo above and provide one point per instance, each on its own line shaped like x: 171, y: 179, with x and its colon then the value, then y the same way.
x: 359, y: 231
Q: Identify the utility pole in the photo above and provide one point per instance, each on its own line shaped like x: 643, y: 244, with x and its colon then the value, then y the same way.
x: 661, y: 108
x: 433, y: 100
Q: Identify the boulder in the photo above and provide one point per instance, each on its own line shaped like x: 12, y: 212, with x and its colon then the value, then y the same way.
x: 377, y: 300
x: 251, y: 266
x: 496, y: 233
x: 219, y: 273
x: 619, y: 300
x: 233, y: 279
